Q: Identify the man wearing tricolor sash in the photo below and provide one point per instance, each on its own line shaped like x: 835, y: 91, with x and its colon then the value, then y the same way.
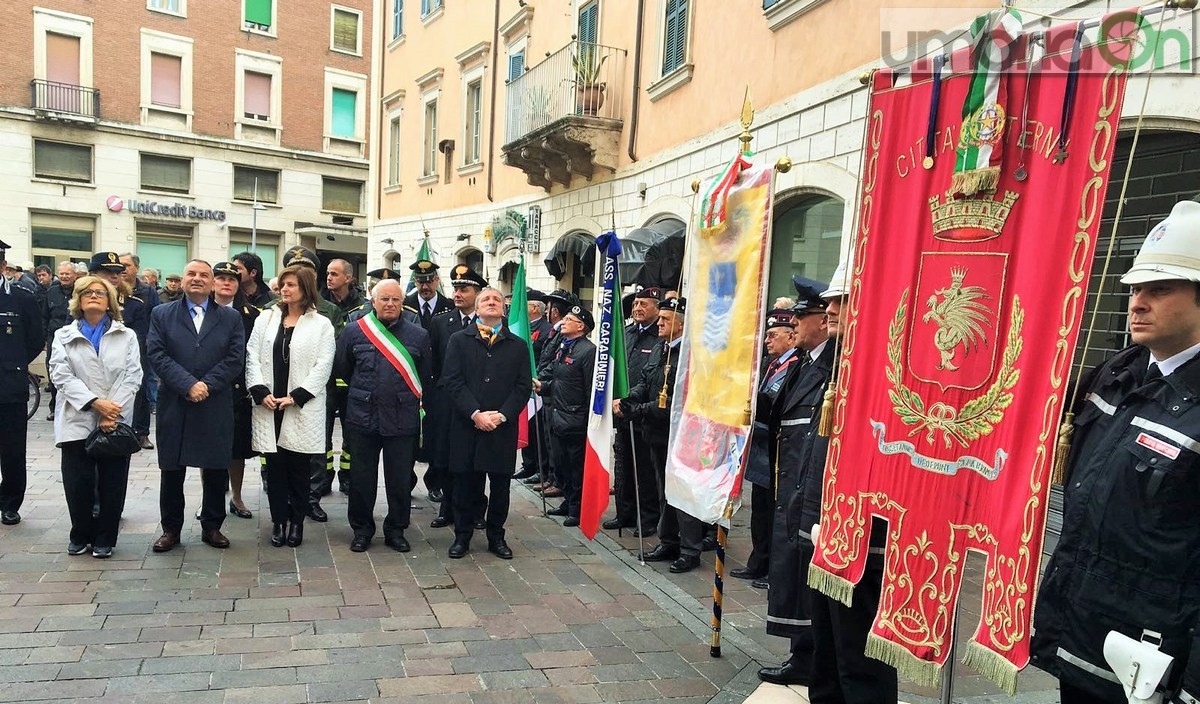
x: 386, y: 363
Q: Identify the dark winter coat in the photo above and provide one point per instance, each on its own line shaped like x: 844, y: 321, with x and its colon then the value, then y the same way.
x: 641, y: 405
x: 195, y: 434
x: 21, y: 340
x: 540, y: 331
x: 379, y: 401
x: 1129, y: 555
x: 135, y: 313
x: 58, y: 308
x: 479, y: 377
x: 441, y: 304
x: 568, y: 385
x: 760, y: 465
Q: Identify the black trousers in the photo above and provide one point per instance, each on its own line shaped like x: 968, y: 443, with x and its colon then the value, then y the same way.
x: 842, y: 673
x: 86, y: 478
x: 676, y: 529
x: 12, y: 456
x: 141, y: 403
x: 568, y: 453
x: 634, y: 478
x: 398, y: 453
x: 170, y: 498
x: 536, y: 455
x: 762, y: 507
x: 469, y: 498
x: 288, y: 485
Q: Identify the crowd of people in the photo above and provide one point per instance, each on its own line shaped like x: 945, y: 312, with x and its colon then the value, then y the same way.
x: 245, y: 372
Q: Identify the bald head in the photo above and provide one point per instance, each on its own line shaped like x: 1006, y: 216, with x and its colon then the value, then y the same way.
x: 388, y: 300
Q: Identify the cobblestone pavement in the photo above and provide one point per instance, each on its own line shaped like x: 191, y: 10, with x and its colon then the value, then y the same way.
x: 565, y: 621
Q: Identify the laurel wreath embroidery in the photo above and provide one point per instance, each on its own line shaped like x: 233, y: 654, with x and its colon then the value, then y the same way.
x: 979, y: 416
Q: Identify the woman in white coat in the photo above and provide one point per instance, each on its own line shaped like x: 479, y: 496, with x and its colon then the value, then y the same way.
x: 95, y: 363
x: 288, y: 361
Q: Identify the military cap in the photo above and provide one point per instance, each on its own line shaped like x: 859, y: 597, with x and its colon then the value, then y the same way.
x: 532, y: 294
x: 301, y: 255
x: 424, y: 270
x: 808, y: 293
x: 176, y: 277
x: 780, y: 318
x: 225, y: 269
x: 584, y: 315
x: 839, y: 283
x: 464, y: 275
x: 383, y: 273
x: 679, y: 305
x: 106, y: 261
x: 653, y: 292
x: 563, y: 295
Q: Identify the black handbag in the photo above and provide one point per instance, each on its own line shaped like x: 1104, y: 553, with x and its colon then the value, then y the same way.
x: 120, y: 442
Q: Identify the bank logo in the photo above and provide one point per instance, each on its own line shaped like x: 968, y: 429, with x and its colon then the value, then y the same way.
x: 115, y: 204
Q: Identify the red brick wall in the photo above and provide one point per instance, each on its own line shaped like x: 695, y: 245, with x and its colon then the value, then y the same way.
x: 303, y: 40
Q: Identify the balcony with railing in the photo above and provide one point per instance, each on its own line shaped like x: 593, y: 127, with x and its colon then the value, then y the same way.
x: 64, y: 100
x: 564, y: 115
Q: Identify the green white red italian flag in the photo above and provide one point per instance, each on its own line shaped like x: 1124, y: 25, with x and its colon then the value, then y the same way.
x: 390, y: 348
x: 977, y: 160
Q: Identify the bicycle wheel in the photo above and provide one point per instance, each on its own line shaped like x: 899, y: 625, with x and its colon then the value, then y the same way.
x: 35, y: 396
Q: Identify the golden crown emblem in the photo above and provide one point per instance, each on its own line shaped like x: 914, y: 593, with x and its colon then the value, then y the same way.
x: 970, y: 219
x: 112, y: 257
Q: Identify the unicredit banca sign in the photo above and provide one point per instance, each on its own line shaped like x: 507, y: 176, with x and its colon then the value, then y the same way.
x: 179, y: 211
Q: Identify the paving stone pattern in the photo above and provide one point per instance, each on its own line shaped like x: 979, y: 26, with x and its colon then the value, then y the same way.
x: 565, y: 621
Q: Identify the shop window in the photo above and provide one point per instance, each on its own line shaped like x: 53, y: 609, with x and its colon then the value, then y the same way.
x: 62, y: 161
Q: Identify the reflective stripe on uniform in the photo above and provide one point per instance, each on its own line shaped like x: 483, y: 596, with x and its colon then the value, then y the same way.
x: 795, y: 421
x: 1168, y: 433
x: 1100, y: 403
x: 1086, y: 666
x: 789, y: 621
x: 1187, y: 698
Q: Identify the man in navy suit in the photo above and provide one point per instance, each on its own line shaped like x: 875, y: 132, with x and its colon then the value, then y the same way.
x: 198, y: 349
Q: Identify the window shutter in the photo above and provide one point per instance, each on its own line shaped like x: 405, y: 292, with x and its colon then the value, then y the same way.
x: 516, y: 65
x: 341, y: 196
x: 394, y: 152
x: 165, y: 71
x: 258, y: 12
x: 161, y: 173
x: 70, y: 162
x: 345, y: 31
x: 257, y: 100
x: 588, y: 18
x: 62, y: 58
x: 243, y: 184
x: 344, y: 123
x: 675, y: 41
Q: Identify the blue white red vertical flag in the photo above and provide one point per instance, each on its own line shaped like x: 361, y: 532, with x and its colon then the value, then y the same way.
x: 609, y: 381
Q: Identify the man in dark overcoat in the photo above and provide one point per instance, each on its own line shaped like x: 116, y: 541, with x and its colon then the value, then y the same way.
x: 487, y: 380
x: 198, y: 350
x: 794, y: 423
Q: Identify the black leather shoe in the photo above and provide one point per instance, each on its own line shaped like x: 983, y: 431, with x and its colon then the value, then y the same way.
x: 398, y: 543
x: 279, y: 535
x: 535, y: 479
x: 709, y: 544
x: 525, y: 474
x: 439, y: 522
x: 560, y: 510
x: 661, y: 553
x: 615, y: 524
x: 295, y: 535
x: 76, y: 548
x: 646, y: 532
x: 343, y: 476
x: 436, y: 495
x: 500, y: 549
x: 11, y: 518
x: 747, y: 573
x: 318, y: 514
x: 144, y: 441
x: 101, y: 553
x: 760, y: 583
x: 240, y: 512
x: 458, y: 549
x: 785, y: 674
x: 685, y: 563
x: 360, y: 543
x: 571, y: 522
x: 479, y: 524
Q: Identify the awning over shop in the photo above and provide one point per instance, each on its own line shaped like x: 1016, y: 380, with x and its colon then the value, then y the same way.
x: 653, y: 256
x: 573, y: 244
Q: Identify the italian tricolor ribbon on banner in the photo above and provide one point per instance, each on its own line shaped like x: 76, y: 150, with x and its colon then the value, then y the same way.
x: 392, y: 350
x: 977, y: 160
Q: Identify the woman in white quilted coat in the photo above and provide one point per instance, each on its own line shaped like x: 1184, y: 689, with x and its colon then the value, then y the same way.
x: 288, y: 361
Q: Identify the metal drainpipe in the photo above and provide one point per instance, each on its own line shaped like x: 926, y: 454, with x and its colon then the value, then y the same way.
x: 637, y: 79
x: 492, y: 122
x: 384, y: 127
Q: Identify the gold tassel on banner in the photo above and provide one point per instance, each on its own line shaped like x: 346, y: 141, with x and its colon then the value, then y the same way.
x: 1065, y: 431
x: 968, y: 183
x: 825, y: 426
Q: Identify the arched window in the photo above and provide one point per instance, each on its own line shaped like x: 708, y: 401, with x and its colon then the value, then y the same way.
x: 807, y: 241
x: 473, y: 258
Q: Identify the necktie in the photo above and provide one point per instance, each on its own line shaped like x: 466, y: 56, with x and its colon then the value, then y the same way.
x: 771, y: 369
x: 1152, y: 373
x: 428, y: 310
x: 466, y: 320
x: 198, y: 319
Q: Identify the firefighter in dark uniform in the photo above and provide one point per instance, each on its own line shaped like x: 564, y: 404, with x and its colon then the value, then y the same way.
x: 841, y: 672
x: 21, y: 338
x: 794, y: 425
x: 781, y: 358
x: 321, y: 482
x: 467, y: 284
x: 641, y: 335
x: 341, y: 289
x: 1128, y: 561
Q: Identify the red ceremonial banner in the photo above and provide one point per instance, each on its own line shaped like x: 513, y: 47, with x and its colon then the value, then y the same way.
x: 963, y: 317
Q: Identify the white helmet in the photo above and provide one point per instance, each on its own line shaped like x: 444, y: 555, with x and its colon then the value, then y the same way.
x: 1171, y: 250
x: 839, y: 283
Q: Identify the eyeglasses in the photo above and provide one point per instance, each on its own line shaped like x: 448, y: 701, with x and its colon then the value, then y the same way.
x: 390, y: 299
x: 93, y: 293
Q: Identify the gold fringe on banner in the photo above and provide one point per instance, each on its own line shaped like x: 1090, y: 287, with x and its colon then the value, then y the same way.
x: 968, y: 183
x: 825, y: 425
x: 831, y: 585
x: 1065, y: 431
x: 908, y: 666
x: 991, y: 665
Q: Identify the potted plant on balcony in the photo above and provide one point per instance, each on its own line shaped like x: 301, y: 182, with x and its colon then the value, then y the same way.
x: 589, y: 90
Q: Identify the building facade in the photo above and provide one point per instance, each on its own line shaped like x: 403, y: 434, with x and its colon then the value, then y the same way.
x: 182, y: 128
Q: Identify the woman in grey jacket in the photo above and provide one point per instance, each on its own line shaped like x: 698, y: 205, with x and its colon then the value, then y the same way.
x: 95, y: 362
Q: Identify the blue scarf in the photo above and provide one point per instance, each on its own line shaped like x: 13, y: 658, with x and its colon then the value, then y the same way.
x: 94, y: 333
